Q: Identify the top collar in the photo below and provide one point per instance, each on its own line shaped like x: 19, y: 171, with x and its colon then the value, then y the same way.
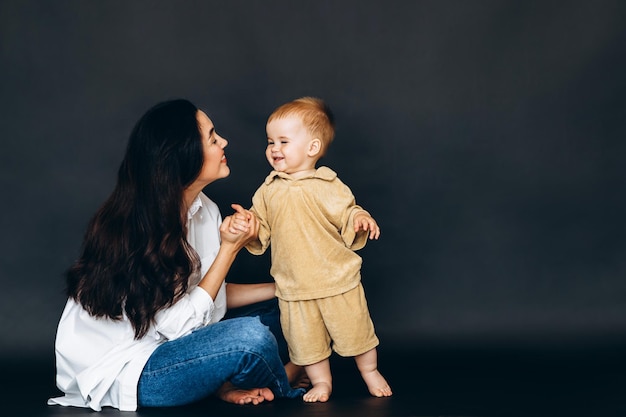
x: 323, y: 173
x: 195, y: 206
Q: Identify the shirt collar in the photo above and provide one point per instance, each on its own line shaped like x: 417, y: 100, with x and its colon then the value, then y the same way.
x: 195, y: 206
x: 323, y: 173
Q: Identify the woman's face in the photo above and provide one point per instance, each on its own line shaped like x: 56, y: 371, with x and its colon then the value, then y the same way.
x: 214, y: 166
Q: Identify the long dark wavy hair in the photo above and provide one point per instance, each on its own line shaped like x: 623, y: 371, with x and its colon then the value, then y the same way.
x: 135, y: 258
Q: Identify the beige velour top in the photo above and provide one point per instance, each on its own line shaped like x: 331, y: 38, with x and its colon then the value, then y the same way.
x: 309, y: 224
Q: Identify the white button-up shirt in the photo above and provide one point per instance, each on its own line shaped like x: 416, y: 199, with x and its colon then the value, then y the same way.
x: 99, y: 361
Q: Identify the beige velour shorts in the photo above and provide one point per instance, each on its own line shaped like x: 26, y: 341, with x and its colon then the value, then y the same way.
x: 312, y: 327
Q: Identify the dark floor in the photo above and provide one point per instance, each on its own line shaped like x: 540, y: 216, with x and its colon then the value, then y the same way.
x: 504, y: 382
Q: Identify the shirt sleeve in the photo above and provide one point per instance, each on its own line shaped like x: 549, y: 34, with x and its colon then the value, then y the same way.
x: 260, y: 245
x: 189, y: 313
x: 196, y: 308
x: 346, y: 203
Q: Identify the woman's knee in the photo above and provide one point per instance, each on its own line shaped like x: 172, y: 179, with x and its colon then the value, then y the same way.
x: 255, y: 333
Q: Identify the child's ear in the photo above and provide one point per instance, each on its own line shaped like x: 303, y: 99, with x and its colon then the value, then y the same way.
x: 315, y: 147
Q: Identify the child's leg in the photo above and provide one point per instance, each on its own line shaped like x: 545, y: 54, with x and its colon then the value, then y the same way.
x: 297, y: 376
x: 368, y: 366
x: 321, y: 378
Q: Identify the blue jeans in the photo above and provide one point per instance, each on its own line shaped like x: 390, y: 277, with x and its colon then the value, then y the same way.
x: 269, y: 314
x: 241, y: 350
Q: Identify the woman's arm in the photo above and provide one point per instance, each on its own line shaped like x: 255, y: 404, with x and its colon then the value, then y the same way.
x: 196, y: 308
x: 235, y: 231
x: 239, y: 295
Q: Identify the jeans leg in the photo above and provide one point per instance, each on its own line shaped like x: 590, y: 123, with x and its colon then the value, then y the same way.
x: 242, y: 351
x: 269, y: 314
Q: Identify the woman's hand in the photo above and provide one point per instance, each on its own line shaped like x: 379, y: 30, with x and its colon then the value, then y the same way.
x: 239, y: 228
x: 236, y: 231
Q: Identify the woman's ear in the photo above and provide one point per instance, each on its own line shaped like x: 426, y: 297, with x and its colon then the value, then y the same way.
x: 315, y: 147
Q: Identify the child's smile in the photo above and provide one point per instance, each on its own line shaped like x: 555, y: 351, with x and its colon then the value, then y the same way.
x: 288, y: 144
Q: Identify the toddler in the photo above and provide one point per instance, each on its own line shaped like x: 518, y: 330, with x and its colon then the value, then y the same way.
x: 314, y: 226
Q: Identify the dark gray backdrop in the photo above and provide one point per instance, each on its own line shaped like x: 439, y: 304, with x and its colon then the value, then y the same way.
x: 486, y: 137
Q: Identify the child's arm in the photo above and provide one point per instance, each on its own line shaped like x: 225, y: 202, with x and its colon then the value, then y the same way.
x: 259, y: 245
x: 363, y: 221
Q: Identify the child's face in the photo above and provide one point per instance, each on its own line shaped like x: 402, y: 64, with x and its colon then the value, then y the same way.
x: 289, y: 146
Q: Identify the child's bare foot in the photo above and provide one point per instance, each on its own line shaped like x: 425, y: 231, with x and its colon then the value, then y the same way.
x: 297, y: 376
x: 319, y: 393
x: 376, y: 384
x: 231, y: 394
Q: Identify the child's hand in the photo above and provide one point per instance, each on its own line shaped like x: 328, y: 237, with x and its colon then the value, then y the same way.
x: 239, y: 220
x: 363, y: 221
x: 242, y: 221
x: 239, y: 228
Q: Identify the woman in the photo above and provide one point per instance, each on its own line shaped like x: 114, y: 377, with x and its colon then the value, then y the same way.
x: 142, y: 324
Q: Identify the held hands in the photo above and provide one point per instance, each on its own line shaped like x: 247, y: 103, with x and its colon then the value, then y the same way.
x: 239, y: 228
x: 365, y: 222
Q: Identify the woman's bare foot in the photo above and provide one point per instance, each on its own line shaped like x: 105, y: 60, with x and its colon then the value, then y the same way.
x: 376, y: 384
x: 297, y: 376
x: 319, y: 393
x: 231, y: 394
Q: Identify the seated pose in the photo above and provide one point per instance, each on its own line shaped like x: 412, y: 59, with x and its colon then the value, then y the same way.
x: 313, y: 224
x: 143, y: 325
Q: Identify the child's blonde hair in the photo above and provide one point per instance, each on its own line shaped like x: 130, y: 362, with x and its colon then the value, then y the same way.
x: 316, y: 117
